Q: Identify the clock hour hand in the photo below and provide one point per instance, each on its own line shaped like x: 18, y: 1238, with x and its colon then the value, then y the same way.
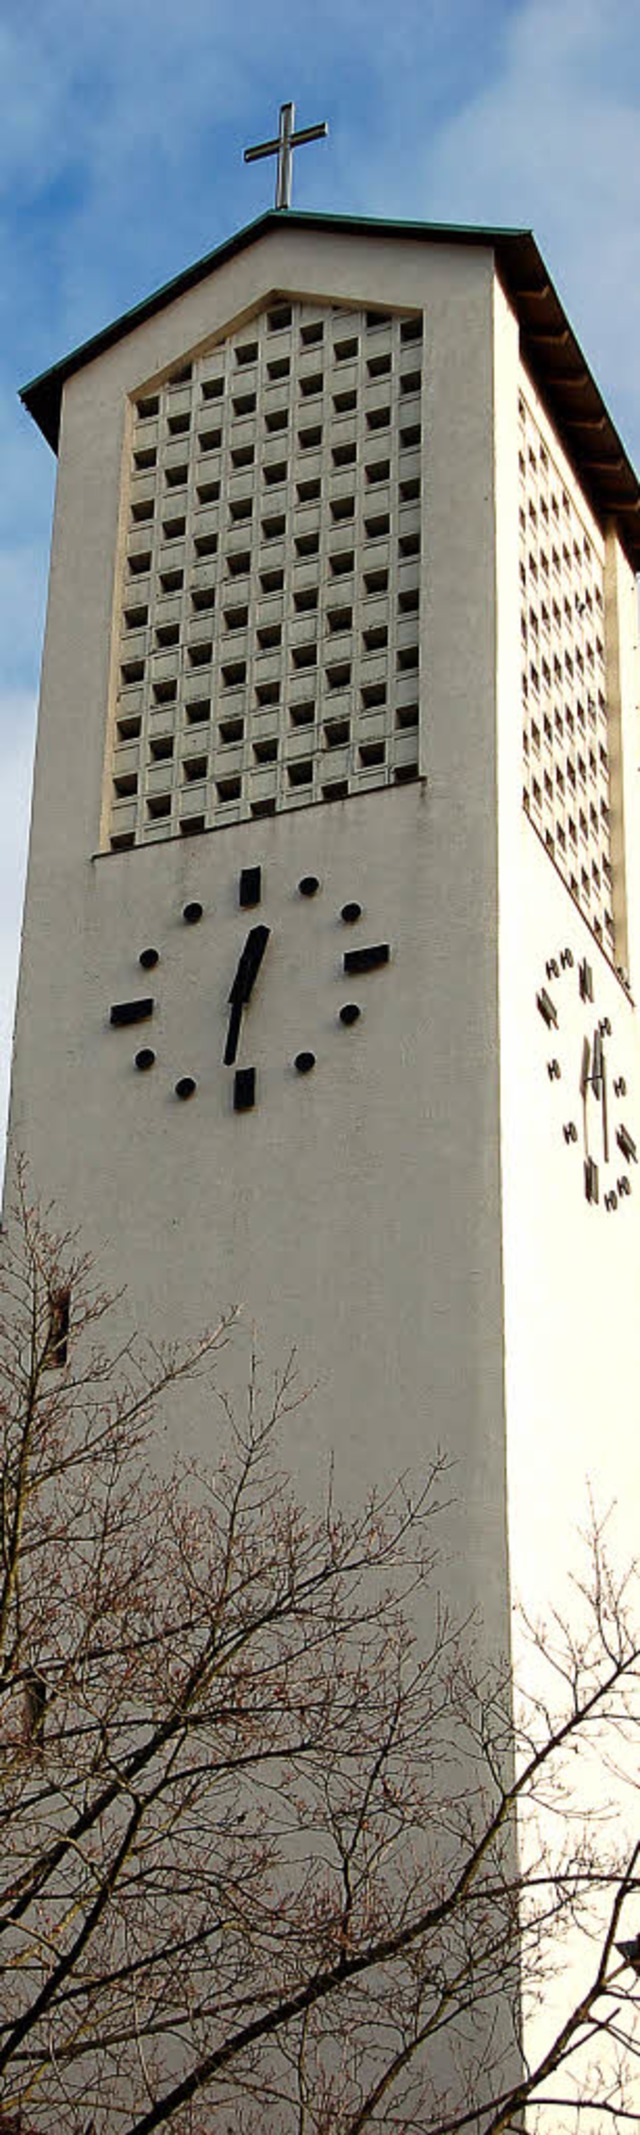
x: 605, y: 1116
x: 585, y: 1078
x: 243, y: 984
x: 599, y: 1083
x: 594, y: 1072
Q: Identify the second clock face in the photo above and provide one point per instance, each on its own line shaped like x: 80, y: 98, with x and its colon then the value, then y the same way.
x: 360, y: 954
x: 593, y: 1101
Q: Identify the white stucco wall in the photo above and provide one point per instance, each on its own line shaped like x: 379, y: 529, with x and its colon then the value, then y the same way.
x: 357, y: 1213
x: 572, y: 1270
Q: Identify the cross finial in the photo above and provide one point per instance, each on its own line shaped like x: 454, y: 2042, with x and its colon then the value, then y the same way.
x: 283, y: 148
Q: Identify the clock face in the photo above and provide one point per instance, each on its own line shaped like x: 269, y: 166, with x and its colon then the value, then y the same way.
x: 592, y: 1098
x: 248, y: 976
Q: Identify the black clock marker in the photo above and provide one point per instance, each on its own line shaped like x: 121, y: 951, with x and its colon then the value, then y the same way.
x: 244, y: 1089
x: 148, y: 958
x: 627, y: 1145
x: 131, y: 1011
x: 243, y: 984
x: 145, y: 1058
x: 546, y: 1008
x: 591, y: 1179
x: 250, y: 889
x: 366, y: 959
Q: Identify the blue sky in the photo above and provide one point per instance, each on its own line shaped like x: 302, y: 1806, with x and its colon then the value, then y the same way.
x: 121, y: 137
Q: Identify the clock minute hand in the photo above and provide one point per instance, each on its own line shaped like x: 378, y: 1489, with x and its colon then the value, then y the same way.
x: 246, y: 974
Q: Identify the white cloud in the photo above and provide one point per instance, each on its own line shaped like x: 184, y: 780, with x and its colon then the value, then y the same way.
x: 552, y: 143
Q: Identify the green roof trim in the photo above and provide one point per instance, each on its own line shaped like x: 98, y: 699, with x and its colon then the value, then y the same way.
x: 549, y: 347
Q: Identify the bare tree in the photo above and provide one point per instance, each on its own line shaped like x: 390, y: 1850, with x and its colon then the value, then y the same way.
x: 258, y: 1862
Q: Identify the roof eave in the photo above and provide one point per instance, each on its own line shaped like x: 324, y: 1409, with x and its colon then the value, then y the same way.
x: 549, y: 348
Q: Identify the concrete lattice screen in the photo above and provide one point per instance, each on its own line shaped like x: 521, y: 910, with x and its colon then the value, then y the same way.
x: 564, y: 702
x: 267, y: 624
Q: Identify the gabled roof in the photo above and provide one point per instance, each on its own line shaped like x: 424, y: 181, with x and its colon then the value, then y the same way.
x: 549, y: 348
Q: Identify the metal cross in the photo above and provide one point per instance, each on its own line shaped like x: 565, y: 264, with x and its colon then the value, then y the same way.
x: 283, y: 147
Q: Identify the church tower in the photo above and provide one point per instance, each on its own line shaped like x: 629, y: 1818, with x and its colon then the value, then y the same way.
x: 332, y: 934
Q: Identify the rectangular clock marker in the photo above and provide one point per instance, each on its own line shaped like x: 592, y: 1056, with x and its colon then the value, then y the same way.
x: 367, y: 959
x: 626, y: 1143
x: 244, y: 1089
x: 591, y: 1179
x: 131, y: 1011
x: 250, y: 890
x: 546, y: 1007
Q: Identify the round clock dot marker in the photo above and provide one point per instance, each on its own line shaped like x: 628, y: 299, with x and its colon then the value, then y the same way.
x: 192, y: 913
x: 304, y: 1062
x: 145, y: 1058
x: 350, y: 1012
x: 148, y: 958
x: 186, y: 1086
x: 308, y: 886
x: 351, y: 912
